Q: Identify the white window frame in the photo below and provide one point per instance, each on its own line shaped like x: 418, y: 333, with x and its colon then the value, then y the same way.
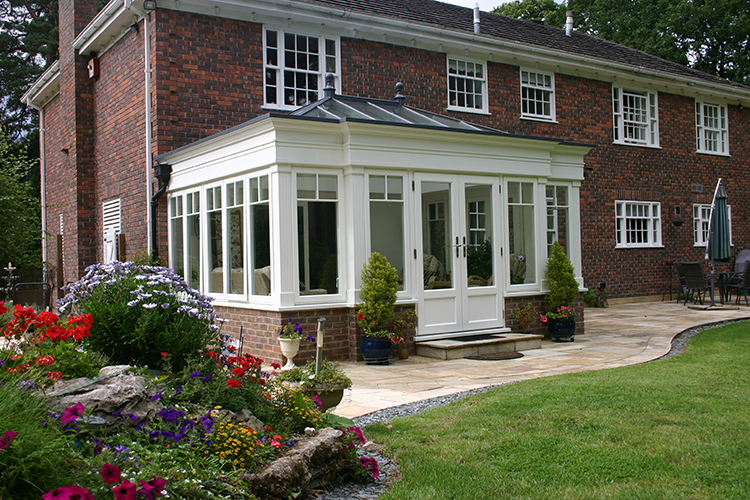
x: 314, y: 298
x: 701, y: 219
x: 529, y: 82
x: 278, y: 69
x: 456, y: 74
x: 649, y: 217
x: 635, y: 111
x: 711, y: 119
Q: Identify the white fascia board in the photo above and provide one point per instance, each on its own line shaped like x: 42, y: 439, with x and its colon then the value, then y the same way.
x: 226, y: 155
x: 109, y: 25
x: 44, y: 88
x: 431, y: 37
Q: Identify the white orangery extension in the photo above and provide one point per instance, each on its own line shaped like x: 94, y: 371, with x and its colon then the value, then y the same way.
x: 280, y: 214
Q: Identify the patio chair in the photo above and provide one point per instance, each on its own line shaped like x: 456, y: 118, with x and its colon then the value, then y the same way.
x: 695, y: 281
x: 681, y: 288
x: 742, y: 285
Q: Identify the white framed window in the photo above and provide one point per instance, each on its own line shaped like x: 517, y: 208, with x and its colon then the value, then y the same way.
x: 711, y: 130
x: 467, y: 84
x: 111, y: 224
x: 387, y: 226
x: 521, y: 231
x: 701, y: 220
x: 259, y: 240
x: 638, y: 224
x: 635, y: 117
x: 558, y: 217
x: 317, y: 233
x: 537, y: 95
x: 295, y: 66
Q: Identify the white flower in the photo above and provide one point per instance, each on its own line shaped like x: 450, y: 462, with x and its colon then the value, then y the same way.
x: 150, y: 305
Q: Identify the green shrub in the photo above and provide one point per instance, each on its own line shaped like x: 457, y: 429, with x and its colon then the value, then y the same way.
x: 141, y: 312
x: 561, y: 280
x: 378, y: 294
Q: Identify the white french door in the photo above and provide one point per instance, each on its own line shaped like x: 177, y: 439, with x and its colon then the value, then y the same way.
x: 458, y: 217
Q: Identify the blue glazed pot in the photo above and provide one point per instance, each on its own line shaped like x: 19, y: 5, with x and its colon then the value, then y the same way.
x: 376, y: 350
x: 562, y: 329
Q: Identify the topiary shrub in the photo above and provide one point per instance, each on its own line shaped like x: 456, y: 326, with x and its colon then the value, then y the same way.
x: 561, y: 280
x: 143, y: 315
x: 378, y: 295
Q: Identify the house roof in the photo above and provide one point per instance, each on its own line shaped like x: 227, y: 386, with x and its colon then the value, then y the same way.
x: 459, y: 18
x: 348, y: 108
x: 339, y: 109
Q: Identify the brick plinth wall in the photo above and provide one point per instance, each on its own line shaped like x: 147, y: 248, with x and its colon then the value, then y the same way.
x: 259, y: 332
x: 537, y: 303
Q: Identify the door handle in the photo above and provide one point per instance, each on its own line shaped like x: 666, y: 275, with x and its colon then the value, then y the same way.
x: 464, y: 246
x: 457, y: 245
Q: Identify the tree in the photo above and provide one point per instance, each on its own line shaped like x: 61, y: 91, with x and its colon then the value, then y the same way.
x: 28, y: 44
x: 20, y: 211
x: 709, y: 36
x: 544, y: 11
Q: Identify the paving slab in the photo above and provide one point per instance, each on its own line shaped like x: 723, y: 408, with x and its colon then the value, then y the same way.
x: 620, y: 335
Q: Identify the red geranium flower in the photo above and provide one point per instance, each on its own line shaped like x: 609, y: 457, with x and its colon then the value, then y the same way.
x: 233, y: 382
x: 55, y: 375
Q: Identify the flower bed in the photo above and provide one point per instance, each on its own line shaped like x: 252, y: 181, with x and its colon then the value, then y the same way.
x: 215, y: 418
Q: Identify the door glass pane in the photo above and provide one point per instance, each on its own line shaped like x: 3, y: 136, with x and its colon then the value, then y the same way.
x: 437, y: 238
x: 479, y: 266
x: 318, y: 247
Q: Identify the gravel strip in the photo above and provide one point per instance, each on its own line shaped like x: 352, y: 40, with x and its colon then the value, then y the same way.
x: 389, y: 469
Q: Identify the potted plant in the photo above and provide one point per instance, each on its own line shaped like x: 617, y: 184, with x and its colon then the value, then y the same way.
x: 378, y: 296
x: 327, y: 385
x: 402, y: 326
x: 524, y: 316
x: 563, y: 290
x: 289, y: 338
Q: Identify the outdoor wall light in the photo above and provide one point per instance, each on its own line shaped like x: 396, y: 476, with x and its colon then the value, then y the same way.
x: 149, y: 5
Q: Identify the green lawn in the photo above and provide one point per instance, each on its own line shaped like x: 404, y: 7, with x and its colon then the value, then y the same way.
x: 669, y: 429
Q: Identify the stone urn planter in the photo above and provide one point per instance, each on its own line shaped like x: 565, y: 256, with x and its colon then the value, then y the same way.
x: 289, y: 349
x: 376, y: 350
x: 328, y: 397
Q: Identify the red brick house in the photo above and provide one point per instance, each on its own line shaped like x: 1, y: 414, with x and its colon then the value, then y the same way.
x: 511, y: 135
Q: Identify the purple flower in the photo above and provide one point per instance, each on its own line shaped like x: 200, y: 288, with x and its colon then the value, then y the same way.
x: 120, y: 449
x: 178, y: 390
x: 310, y: 338
x: 157, y: 396
x: 195, y: 374
x: 207, y: 377
x: 118, y: 412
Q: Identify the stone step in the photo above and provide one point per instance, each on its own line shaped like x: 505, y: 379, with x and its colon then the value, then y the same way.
x: 463, y: 347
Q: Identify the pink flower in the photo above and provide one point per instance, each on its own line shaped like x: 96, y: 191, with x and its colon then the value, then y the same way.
x: 125, y: 491
x: 72, y: 413
x: 542, y: 318
x: 7, y: 438
x: 153, y: 488
x: 110, y: 473
x: 69, y: 493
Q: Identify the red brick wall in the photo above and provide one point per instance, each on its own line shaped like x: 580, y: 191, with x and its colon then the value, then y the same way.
x: 121, y: 140
x: 259, y: 332
x: 207, y: 77
x: 537, y: 304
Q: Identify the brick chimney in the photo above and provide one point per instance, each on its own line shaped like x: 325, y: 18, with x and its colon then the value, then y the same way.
x: 76, y: 104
